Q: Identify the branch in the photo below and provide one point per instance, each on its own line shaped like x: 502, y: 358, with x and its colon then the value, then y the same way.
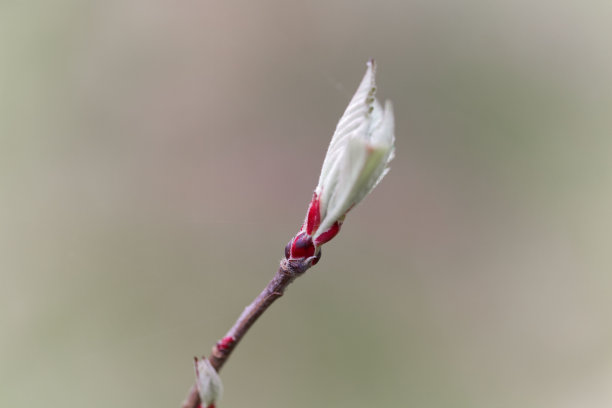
x: 357, y: 159
x: 288, y: 271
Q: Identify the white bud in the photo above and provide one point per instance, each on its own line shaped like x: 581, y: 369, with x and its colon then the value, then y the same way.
x: 208, y: 382
x: 357, y: 159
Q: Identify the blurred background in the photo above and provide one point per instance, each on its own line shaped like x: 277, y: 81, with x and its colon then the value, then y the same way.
x: 155, y: 158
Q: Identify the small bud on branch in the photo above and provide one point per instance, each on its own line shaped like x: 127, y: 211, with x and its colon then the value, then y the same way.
x: 208, y: 382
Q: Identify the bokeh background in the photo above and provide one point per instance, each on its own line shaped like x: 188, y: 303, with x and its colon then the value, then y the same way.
x: 155, y: 157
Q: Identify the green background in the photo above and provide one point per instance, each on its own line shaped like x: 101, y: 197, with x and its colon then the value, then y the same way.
x: 155, y: 158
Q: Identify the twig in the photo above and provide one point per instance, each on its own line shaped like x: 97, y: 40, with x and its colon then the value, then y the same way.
x: 287, y: 273
x: 357, y: 159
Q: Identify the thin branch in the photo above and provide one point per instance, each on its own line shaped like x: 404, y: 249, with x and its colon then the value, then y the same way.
x: 287, y: 273
x: 357, y: 159
x: 193, y: 398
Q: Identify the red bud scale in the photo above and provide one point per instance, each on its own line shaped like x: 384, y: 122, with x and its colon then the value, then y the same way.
x: 302, y: 246
x: 226, y: 343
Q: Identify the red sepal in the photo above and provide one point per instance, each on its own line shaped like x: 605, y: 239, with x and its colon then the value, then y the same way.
x: 317, y: 258
x: 313, y: 219
x: 225, y: 343
x: 301, y: 246
x: 328, y: 235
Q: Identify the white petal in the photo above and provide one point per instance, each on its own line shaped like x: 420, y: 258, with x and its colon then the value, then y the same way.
x: 376, y: 117
x: 384, y: 131
x: 353, y: 120
x: 362, y: 167
x: 385, y: 137
x: 208, y: 382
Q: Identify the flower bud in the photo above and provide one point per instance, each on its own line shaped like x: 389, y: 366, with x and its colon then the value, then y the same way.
x: 226, y: 344
x: 208, y: 382
x: 357, y: 159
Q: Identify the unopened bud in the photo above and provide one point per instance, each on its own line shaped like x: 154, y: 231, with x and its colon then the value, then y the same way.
x: 357, y: 159
x: 226, y: 343
x: 208, y: 382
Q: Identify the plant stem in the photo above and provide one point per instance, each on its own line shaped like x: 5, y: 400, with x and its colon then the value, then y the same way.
x: 288, y: 271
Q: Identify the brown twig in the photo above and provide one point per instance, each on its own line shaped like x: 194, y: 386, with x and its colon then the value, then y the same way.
x: 288, y: 271
x: 343, y: 183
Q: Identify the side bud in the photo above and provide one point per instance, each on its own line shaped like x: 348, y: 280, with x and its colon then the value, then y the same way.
x: 208, y: 381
